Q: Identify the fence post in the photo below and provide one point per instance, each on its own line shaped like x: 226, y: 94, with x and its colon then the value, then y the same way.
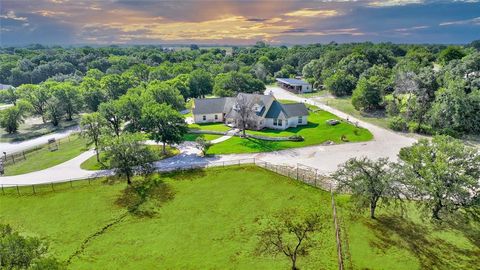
x: 337, y: 233
x: 3, y: 191
x: 71, y: 185
x: 297, y: 171
x: 33, y: 187
x: 13, y: 159
x: 23, y: 152
x: 18, y: 191
x: 52, y: 186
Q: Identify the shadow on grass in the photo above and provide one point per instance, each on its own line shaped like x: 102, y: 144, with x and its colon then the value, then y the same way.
x: 432, y: 252
x: 143, y: 198
x: 260, y: 145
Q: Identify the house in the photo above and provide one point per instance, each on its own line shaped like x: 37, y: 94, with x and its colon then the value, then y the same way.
x: 294, y: 85
x: 269, y: 112
x: 5, y: 86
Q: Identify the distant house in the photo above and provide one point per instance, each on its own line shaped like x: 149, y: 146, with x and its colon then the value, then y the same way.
x: 271, y: 113
x: 5, y: 86
x: 294, y: 85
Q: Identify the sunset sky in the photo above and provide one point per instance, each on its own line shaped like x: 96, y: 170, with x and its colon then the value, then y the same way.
x: 239, y: 22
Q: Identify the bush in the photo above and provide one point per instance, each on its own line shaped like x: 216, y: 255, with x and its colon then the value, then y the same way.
x: 399, y: 124
x: 296, y: 138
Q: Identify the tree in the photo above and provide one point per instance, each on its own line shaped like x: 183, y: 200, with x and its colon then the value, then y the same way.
x: 92, y: 126
x: 128, y: 155
x: 244, y: 111
x: 114, y: 85
x: 20, y: 252
x: 450, y: 53
x: 444, y: 173
x: 162, y: 92
x: 13, y: 116
x: 200, y: 83
x: 9, y: 96
x: 69, y: 97
x: 203, y: 145
x: 131, y: 108
x: 54, y: 110
x: 368, y: 181
x: 165, y: 124
x: 289, y: 233
x: 37, y: 96
x: 92, y: 93
x: 340, y: 83
x: 368, y: 94
x: 112, y: 112
x: 233, y: 83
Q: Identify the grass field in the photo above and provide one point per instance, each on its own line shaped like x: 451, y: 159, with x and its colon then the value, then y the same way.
x: 92, y: 164
x: 397, y: 242
x: 191, y: 137
x: 316, y: 132
x: 210, y: 126
x: 33, y: 128
x: 345, y: 105
x: 43, y: 158
x: 206, y: 219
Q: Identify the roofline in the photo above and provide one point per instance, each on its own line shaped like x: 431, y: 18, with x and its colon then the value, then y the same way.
x: 283, y: 80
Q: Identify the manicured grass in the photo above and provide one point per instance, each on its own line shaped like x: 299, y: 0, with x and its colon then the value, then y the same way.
x: 43, y: 158
x: 205, y: 219
x: 345, y: 105
x: 397, y: 242
x: 316, y: 132
x: 191, y: 137
x: 35, y: 128
x: 210, y: 126
x: 92, y: 164
x: 314, y: 94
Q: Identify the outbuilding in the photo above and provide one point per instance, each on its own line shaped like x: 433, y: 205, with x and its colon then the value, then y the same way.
x: 294, y: 85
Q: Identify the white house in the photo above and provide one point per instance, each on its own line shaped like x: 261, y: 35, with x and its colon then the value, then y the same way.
x: 294, y: 85
x: 270, y: 112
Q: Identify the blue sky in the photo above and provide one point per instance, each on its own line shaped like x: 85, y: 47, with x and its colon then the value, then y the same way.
x: 239, y: 22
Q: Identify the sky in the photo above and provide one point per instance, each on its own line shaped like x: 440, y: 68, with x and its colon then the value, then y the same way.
x: 237, y: 22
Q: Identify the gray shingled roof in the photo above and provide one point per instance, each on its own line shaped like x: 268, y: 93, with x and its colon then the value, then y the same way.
x: 212, y: 105
x: 290, y: 110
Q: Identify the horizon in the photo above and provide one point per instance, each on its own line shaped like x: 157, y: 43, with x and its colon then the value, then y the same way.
x: 237, y: 22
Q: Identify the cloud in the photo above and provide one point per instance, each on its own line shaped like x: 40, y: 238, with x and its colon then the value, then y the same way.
x: 389, y: 3
x: 12, y: 16
x: 312, y: 13
x: 474, y: 21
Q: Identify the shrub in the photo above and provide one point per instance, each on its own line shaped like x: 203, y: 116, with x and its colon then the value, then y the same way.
x: 398, y: 123
x: 296, y: 138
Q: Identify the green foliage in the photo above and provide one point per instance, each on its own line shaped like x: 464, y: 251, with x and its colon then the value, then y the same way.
x: 12, y: 117
x: 340, y: 83
x: 93, y: 126
x: 398, y: 123
x: 203, y: 144
x: 233, y: 83
x: 368, y: 94
x: 128, y: 155
x: 19, y: 252
x: 444, y: 172
x: 165, y: 124
x: 162, y: 92
x: 200, y: 83
x: 369, y: 181
x: 450, y: 53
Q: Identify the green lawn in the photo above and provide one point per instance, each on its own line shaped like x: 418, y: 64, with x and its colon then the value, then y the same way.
x: 205, y: 219
x: 92, y: 164
x: 28, y: 130
x: 397, y: 242
x: 210, y: 126
x: 191, y: 137
x: 314, y: 94
x: 43, y: 158
x: 316, y: 132
x: 345, y: 105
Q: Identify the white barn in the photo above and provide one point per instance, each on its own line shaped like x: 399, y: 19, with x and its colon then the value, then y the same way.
x: 294, y: 85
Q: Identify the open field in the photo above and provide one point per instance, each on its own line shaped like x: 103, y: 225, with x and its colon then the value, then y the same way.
x: 316, y: 132
x: 43, y: 158
x: 205, y: 219
x: 92, y: 163
x: 34, y: 127
x: 345, y: 105
x: 397, y: 242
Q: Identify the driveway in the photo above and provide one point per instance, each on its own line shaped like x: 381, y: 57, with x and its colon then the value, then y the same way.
x: 324, y: 158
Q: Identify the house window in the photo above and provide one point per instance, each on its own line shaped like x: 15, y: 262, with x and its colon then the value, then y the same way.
x: 300, y: 120
x: 204, y: 118
x: 216, y: 117
x: 277, y: 122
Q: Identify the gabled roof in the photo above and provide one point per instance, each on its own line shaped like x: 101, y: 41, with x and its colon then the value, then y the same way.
x: 289, y: 110
x: 212, y: 105
x: 292, y: 81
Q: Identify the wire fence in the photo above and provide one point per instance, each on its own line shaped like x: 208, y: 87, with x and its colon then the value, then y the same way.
x: 303, y: 173
x: 14, y: 158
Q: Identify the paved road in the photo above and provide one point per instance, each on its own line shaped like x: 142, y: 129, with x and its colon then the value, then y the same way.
x: 325, y: 158
x: 12, y: 147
